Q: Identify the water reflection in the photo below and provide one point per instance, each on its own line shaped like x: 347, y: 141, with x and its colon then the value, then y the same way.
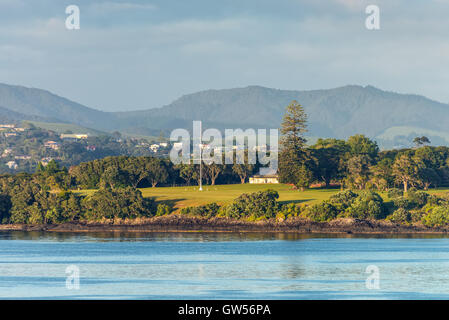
x: 200, y: 236
x: 197, y: 265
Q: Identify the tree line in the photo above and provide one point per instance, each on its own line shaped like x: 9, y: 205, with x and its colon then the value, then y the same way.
x: 357, y: 162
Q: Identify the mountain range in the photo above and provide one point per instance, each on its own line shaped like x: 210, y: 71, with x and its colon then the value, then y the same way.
x: 393, y: 119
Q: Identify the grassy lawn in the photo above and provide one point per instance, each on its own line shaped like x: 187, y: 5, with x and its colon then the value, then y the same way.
x: 221, y: 194
x: 190, y: 196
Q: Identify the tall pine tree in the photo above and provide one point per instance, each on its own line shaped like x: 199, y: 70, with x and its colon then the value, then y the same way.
x: 293, y: 156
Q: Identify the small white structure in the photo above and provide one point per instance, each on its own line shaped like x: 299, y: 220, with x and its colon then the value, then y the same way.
x: 266, y: 175
x: 12, y: 165
x: 52, y: 145
x: 154, y: 147
x: 6, y: 152
x: 75, y: 136
x: 22, y: 157
x: 259, y: 179
x: 10, y: 134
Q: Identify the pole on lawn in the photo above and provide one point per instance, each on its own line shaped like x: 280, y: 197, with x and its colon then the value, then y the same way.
x: 201, y: 157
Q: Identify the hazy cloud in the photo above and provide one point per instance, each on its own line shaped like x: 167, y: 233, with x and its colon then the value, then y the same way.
x: 139, y: 54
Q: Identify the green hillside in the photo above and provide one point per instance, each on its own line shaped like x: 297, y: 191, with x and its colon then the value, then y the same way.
x: 338, y: 113
x: 66, y: 127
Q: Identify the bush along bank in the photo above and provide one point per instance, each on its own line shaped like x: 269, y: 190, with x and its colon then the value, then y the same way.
x: 414, y: 208
x: 29, y: 202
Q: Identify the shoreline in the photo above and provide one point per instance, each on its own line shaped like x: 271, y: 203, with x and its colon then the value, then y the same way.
x: 177, y: 223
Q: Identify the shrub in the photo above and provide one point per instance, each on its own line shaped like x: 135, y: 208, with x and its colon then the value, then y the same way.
x: 258, y: 205
x: 343, y: 200
x: 5, y: 207
x: 437, y: 217
x: 433, y: 200
x: 395, y: 193
x: 320, y: 212
x: 402, y: 203
x: 368, y: 205
x: 163, y: 209
x: 417, y: 199
x: 289, y: 210
x: 416, y: 215
x: 126, y: 203
x: 35, y: 216
x: 400, y: 216
x: 207, y: 211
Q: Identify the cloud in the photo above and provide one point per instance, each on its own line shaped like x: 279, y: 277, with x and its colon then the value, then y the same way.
x: 11, y: 3
x: 148, y: 58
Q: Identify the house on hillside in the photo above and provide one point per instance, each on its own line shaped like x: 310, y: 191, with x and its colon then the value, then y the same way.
x: 6, y: 152
x: 12, y: 165
x: 52, y: 145
x: 7, y: 126
x: 74, y: 136
x: 10, y: 134
x: 154, y: 147
x: 22, y: 157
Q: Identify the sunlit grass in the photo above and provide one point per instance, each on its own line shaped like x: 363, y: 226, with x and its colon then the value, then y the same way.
x: 181, y: 197
x: 221, y: 194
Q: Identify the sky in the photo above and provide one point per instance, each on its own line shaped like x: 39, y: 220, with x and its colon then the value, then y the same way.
x: 131, y: 54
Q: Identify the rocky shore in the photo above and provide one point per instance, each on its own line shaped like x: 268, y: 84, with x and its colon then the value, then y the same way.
x: 178, y: 223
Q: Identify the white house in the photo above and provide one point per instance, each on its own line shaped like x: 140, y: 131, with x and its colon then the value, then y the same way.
x: 52, y: 145
x: 12, y: 165
x: 6, y: 152
x: 266, y: 175
x: 154, y: 147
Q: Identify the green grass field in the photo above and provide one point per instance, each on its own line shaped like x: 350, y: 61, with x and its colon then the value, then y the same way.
x: 190, y: 196
x: 181, y: 197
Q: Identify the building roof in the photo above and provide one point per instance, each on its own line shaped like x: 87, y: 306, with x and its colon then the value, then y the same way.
x: 265, y: 176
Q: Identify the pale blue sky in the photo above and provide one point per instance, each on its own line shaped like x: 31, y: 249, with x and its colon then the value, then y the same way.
x: 132, y: 54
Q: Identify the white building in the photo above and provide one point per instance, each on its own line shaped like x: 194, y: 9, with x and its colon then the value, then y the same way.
x: 76, y: 136
x: 12, y: 165
x: 52, y: 145
x: 154, y: 147
x: 6, y: 152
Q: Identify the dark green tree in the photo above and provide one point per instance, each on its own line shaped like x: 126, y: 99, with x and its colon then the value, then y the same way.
x: 292, y: 154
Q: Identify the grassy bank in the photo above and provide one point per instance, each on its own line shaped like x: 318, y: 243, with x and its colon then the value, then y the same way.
x: 181, y: 197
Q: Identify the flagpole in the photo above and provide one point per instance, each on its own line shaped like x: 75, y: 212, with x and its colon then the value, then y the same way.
x: 201, y: 157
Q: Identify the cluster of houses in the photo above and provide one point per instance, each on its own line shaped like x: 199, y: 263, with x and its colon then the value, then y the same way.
x: 9, y: 130
x: 155, y: 147
x: 12, y: 130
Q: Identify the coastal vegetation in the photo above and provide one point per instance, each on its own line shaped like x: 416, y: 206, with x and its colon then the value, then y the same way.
x: 352, y: 179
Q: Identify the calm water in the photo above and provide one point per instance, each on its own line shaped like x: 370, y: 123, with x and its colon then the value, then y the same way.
x: 221, y: 266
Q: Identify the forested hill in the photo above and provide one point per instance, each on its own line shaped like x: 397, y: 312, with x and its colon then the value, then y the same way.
x: 339, y: 112
x: 391, y: 118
